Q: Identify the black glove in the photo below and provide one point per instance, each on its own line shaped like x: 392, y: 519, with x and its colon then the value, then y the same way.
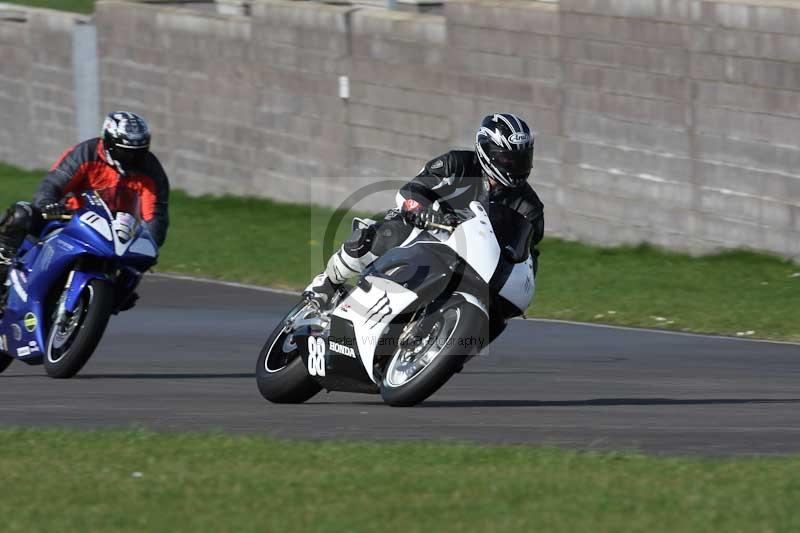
x: 423, y: 218
x: 55, y: 210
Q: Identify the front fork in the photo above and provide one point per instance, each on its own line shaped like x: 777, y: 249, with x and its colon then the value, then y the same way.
x: 62, y: 314
x: 126, y: 281
x: 77, y: 281
x: 409, y: 327
x: 291, y: 324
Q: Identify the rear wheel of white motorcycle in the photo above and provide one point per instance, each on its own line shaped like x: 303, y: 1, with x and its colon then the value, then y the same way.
x: 443, y: 341
x: 281, y: 375
x: 71, y: 343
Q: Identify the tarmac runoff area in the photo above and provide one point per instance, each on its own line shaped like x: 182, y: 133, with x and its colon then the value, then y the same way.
x: 183, y: 359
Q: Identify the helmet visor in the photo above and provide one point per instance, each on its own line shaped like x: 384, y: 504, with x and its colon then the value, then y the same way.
x: 129, y: 158
x: 515, y: 165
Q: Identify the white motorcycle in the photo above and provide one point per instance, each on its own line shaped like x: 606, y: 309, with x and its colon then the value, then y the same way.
x: 413, y: 319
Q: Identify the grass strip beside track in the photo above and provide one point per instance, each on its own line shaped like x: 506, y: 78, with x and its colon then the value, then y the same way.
x: 268, y: 243
x: 78, y: 6
x: 145, y: 481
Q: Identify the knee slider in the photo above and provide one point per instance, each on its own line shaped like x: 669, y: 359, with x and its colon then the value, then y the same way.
x: 360, y: 242
x: 390, y: 234
x: 17, y: 219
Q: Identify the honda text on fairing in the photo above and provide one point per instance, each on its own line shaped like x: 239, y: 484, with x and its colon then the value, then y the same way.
x: 65, y: 285
x: 413, y: 318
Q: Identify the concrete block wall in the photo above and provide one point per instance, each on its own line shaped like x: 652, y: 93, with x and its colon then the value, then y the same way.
x: 37, y: 95
x: 628, y: 173
x: 745, y: 73
x: 299, y: 52
x: 398, y: 113
x: 505, y: 57
x: 673, y: 122
x: 156, y: 61
x: 239, y: 105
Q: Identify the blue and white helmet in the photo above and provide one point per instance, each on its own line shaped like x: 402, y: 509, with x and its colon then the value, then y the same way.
x: 504, y: 145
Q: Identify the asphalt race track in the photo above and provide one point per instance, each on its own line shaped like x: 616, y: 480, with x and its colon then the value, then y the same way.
x: 184, y: 359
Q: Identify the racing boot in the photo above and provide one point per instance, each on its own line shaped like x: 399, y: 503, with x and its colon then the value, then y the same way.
x: 341, y: 266
x: 321, y: 291
x: 15, y: 223
x: 349, y: 261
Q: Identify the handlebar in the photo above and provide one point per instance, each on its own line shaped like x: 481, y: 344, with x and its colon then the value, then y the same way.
x: 443, y: 227
x: 56, y: 217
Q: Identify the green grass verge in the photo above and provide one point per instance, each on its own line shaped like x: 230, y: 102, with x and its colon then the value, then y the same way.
x: 259, y: 241
x: 78, y: 6
x: 144, y: 481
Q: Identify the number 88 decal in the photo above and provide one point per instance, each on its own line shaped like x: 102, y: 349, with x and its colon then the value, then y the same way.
x: 316, y: 356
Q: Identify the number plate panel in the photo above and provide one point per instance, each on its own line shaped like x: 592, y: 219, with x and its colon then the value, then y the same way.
x: 338, y: 369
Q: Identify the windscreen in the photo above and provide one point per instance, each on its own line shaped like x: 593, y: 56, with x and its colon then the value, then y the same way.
x: 119, y: 199
x: 513, y: 231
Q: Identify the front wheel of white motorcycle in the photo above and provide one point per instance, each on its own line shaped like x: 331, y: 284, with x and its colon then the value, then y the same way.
x: 442, y: 342
x: 72, y: 340
x: 281, y: 375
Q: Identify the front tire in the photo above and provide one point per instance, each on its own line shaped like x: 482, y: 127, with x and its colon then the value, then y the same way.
x: 280, y: 373
x: 404, y: 384
x: 69, y: 346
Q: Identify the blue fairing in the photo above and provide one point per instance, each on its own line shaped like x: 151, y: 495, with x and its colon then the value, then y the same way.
x: 68, y: 255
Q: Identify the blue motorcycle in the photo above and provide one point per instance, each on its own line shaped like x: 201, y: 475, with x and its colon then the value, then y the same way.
x: 65, y: 285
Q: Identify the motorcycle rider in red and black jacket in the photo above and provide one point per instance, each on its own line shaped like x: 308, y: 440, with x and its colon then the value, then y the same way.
x: 120, y: 156
x: 496, y: 171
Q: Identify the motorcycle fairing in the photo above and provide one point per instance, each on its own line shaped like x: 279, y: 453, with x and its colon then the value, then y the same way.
x: 425, y: 269
x: 339, y: 371
x: 56, y: 258
x: 430, y: 270
x: 370, y: 308
x: 520, y: 285
x: 469, y: 262
x: 21, y: 326
x: 343, y: 370
x: 475, y: 242
x: 42, y: 266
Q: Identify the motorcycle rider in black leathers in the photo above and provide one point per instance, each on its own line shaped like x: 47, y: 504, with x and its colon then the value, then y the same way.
x: 496, y: 171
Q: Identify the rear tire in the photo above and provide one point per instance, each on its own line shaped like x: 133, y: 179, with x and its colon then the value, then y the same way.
x: 281, y: 374
x: 471, y: 323
x: 64, y: 357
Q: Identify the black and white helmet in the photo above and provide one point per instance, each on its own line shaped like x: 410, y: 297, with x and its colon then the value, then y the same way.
x: 504, y: 145
x: 126, y: 140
